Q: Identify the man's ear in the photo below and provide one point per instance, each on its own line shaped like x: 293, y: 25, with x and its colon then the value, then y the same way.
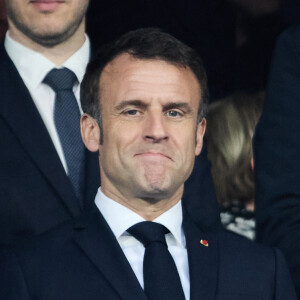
x: 90, y: 132
x: 199, y: 136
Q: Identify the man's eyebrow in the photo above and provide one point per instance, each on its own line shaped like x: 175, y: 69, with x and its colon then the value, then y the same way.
x: 181, y: 105
x: 126, y: 103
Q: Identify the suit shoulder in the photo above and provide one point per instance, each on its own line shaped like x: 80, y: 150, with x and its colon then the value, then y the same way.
x: 261, y: 269
x: 47, y: 241
x: 290, y: 36
x: 248, y: 255
x: 5, y: 61
x: 236, y: 243
x: 56, y: 238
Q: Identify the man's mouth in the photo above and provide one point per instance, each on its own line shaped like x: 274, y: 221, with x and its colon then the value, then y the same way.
x: 47, y: 5
x: 153, y: 156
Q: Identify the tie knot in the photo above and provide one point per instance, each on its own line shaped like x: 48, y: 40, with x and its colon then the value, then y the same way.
x: 60, y: 79
x: 149, y: 232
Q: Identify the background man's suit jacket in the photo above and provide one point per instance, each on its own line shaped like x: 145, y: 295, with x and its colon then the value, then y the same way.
x: 35, y: 192
x: 83, y: 260
x: 277, y: 155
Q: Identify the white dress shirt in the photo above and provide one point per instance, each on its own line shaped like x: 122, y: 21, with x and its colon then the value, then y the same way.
x: 33, y: 67
x: 120, y: 218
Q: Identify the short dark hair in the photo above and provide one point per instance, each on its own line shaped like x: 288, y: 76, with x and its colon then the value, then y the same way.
x: 144, y: 43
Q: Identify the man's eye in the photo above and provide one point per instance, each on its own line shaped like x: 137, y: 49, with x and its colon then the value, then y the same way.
x: 173, y: 113
x: 132, y: 112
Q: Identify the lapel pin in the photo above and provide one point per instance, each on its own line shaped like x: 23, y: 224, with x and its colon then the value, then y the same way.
x: 204, y: 243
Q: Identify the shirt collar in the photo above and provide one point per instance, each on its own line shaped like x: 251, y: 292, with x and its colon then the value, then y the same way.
x: 33, y: 66
x: 120, y: 218
x: 79, y: 60
x: 172, y: 219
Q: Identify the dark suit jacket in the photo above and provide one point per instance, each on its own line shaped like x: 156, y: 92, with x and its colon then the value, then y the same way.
x: 35, y: 192
x: 83, y: 260
x: 277, y: 155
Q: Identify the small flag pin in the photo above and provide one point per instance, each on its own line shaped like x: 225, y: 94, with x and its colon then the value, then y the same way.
x: 204, y: 243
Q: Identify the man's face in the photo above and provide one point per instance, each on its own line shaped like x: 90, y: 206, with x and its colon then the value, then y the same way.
x: 46, y: 22
x: 149, y: 112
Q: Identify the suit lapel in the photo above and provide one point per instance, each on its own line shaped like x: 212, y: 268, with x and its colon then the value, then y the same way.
x: 199, y: 198
x: 92, y: 177
x: 203, y: 261
x: 21, y: 115
x: 96, y: 239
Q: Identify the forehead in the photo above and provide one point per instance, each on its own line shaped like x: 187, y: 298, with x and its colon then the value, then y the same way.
x: 129, y: 78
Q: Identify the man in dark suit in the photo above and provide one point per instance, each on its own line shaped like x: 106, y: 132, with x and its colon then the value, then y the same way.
x: 144, y: 98
x: 277, y: 155
x: 36, y: 192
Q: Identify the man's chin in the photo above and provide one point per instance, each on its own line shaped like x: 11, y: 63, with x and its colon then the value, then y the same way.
x: 48, y: 34
x: 49, y: 39
x: 155, y: 191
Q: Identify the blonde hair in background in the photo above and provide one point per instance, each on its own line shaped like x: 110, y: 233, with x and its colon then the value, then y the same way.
x: 230, y: 127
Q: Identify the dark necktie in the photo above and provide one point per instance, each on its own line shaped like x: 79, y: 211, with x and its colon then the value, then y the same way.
x: 161, y: 278
x: 67, y: 123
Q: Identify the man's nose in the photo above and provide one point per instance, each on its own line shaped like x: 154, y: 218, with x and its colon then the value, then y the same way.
x: 155, y: 128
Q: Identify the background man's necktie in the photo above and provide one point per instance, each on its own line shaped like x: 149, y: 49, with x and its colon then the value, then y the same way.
x: 161, y: 278
x: 67, y: 122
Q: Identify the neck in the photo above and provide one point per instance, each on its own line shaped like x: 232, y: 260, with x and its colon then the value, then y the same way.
x: 59, y: 53
x: 148, y: 209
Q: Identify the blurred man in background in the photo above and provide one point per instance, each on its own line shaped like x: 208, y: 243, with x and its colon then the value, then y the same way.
x: 46, y: 174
